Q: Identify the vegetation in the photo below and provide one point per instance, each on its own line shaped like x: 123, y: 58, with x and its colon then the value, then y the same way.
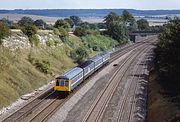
x: 116, y: 28
x: 76, y: 20
x: 165, y: 88
x: 129, y: 20
x: 98, y: 42
x: 25, y: 21
x: 143, y: 24
x: 79, y: 54
x: 68, y: 20
x: 62, y: 24
x: 40, y: 24
x: 31, y: 31
x: 168, y: 56
x: 6, y: 22
x: 80, y: 31
x: 23, y: 70
x: 4, y: 32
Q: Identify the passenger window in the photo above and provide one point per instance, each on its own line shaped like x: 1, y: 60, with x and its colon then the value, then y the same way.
x: 62, y: 83
x: 66, y: 83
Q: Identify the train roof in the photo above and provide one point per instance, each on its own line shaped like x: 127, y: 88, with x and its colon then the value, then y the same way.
x: 71, y: 73
x: 86, y: 63
x: 96, y: 58
x: 104, y: 53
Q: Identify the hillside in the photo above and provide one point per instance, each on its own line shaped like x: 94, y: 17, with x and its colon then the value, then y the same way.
x: 24, y: 68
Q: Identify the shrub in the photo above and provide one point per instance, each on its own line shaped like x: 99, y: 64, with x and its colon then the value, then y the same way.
x: 79, y: 31
x: 26, y: 21
x: 4, y: 32
x: 63, y: 32
x: 56, y: 31
x: 50, y: 42
x: 69, y: 43
x: 34, y: 40
x: 42, y: 65
x: 79, y: 54
x: 30, y: 31
x: 62, y: 23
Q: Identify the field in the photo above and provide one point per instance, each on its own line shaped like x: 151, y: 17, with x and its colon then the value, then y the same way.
x: 51, y: 20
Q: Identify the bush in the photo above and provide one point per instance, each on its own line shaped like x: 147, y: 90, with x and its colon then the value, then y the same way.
x: 69, y: 43
x: 98, y: 42
x: 63, y: 32
x: 4, y: 32
x: 34, y: 40
x: 42, y: 65
x: 30, y: 31
x: 25, y: 21
x: 62, y: 24
x: 168, y: 56
x: 79, y: 31
x: 56, y: 31
x: 79, y: 54
x: 50, y: 43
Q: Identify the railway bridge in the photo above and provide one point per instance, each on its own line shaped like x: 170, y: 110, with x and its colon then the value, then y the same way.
x: 141, y: 33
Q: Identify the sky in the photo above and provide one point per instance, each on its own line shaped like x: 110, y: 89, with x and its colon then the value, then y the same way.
x: 91, y: 4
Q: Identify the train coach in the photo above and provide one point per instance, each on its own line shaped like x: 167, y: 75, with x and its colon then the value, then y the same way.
x: 72, y: 78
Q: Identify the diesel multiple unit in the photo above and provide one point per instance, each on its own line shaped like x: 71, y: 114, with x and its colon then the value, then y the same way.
x: 72, y: 78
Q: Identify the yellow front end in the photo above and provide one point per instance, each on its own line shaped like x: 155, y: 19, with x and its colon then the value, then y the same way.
x: 62, y: 86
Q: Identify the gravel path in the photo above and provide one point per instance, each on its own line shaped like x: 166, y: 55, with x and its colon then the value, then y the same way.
x: 75, y: 108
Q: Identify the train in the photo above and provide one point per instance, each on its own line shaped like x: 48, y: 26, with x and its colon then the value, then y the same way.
x: 75, y: 76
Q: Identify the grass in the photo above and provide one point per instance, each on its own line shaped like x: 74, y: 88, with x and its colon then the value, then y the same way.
x: 19, y: 76
x: 160, y: 106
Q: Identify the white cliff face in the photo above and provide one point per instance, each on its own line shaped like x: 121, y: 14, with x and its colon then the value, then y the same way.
x: 16, y: 40
x: 19, y: 40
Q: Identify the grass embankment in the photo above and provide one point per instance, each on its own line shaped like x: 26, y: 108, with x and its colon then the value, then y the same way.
x: 23, y: 70
x: 161, y: 106
x: 19, y: 76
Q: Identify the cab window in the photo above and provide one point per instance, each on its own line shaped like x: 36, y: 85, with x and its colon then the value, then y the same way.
x: 57, y: 82
x: 62, y: 83
x: 66, y: 83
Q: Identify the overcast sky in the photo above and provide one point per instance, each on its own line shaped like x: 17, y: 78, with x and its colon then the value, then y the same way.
x: 82, y: 4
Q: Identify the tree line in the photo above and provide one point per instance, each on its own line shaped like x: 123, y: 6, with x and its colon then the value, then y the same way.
x: 167, y: 58
x: 118, y: 27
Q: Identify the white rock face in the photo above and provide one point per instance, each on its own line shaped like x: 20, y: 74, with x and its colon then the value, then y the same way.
x: 19, y: 40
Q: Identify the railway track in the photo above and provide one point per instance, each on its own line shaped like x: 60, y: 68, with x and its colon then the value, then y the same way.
x: 97, y: 109
x: 127, y: 105
x: 42, y: 107
x: 29, y: 107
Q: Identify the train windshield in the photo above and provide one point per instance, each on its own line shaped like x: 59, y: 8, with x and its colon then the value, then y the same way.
x: 62, y: 82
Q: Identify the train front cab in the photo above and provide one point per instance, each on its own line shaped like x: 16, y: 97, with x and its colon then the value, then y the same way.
x: 62, y: 84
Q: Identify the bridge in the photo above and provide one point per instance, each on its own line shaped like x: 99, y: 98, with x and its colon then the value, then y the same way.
x: 141, y: 33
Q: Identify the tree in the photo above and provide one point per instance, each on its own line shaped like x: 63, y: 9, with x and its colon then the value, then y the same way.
x: 6, y: 21
x: 79, y: 54
x: 76, y: 20
x: 129, y: 20
x: 4, y: 32
x: 63, y: 33
x: 40, y: 24
x: 111, y: 17
x: 62, y: 23
x: 116, y: 28
x: 25, y: 21
x: 143, y: 24
x: 68, y: 20
x: 167, y: 60
x: 31, y: 31
x: 80, y: 31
